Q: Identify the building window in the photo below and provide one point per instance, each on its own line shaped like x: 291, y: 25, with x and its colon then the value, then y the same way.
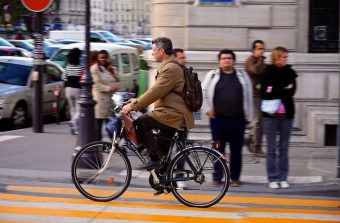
x: 324, y: 26
x: 216, y: 1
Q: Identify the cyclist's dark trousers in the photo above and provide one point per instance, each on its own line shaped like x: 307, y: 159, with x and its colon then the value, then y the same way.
x: 155, y: 136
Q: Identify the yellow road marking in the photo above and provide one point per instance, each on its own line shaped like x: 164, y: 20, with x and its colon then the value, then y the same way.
x: 12, y: 222
x: 227, y: 199
x: 27, y: 198
x: 143, y: 217
x: 277, y: 220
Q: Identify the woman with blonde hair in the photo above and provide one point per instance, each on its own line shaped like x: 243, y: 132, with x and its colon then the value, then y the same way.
x: 279, y: 82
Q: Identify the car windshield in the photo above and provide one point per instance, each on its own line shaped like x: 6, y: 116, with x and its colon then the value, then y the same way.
x: 27, y: 46
x: 14, y: 74
x: 4, y: 42
x: 110, y: 37
x: 51, y: 50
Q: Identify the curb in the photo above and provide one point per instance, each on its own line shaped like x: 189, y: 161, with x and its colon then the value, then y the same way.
x: 63, y: 175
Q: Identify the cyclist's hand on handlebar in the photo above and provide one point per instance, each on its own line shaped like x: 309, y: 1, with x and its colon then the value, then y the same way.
x: 127, y: 108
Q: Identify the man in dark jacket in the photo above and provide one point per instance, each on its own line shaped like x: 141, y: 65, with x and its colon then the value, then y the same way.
x: 255, y: 66
x: 279, y: 83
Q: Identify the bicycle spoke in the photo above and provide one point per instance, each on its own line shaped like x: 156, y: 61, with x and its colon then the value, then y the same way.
x: 199, y: 182
x: 97, y: 183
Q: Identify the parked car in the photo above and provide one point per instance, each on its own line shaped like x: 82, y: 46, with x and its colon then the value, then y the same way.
x: 146, y: 45
x: 98, y: 36
x: 13, y: 51
x: 124, y: 58
x: 24, y: 44
x: 67, y: 41
x: 16, y: 90
x: 51, y: 49
x: 4, y: 42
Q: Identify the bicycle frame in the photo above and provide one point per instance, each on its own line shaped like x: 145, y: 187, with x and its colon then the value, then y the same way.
x: 120, y: 134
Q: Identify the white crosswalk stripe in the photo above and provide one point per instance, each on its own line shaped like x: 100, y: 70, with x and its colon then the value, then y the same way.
x: 53, y: 204
x: 9, y: 137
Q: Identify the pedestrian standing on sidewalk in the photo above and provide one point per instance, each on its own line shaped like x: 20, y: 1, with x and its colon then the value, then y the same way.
x: 255, y: 67
x: 106, y: 82
x: 71, y: 78
x: 228, y: 99
x: 183, y: 135
x: 180, y: 56
x: 279, y: 82
x: 181, y: 59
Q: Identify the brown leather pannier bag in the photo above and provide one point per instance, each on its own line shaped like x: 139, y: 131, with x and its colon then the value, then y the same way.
x: 129, y: 129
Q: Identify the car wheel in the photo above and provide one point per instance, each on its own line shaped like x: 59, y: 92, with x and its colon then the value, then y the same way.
x: 19, y: 116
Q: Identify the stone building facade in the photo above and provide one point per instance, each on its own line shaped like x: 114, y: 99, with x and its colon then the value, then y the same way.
x: 203, y: 29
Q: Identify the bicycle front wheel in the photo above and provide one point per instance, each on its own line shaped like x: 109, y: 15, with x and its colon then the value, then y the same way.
x: 191, y: 173
x: 93, y: 180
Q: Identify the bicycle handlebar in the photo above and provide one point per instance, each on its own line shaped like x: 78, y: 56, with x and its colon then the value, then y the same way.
x: 119, y: 108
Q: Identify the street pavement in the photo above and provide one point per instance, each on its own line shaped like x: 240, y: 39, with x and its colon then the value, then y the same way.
x: 36, y: 186
x: 46, y: 157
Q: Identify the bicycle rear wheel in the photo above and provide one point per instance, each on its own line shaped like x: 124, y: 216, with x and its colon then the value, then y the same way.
x: 94, y: 184
x: 194, y: 167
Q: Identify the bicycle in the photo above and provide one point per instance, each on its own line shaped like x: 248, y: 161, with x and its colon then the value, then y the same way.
x: 101, y: 171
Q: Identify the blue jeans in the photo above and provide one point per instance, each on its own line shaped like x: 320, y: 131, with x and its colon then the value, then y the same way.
x: 229, y: 130
x: 284, y: 127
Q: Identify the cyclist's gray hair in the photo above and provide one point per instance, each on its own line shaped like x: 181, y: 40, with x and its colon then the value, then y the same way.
x: 164, y: 43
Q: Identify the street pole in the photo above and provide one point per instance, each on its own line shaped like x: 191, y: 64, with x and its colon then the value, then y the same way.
x: 86, y: 102
x: 338, y: 131
x: 39, y: 67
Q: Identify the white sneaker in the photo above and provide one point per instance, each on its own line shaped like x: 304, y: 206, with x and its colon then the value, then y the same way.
x: 284, y: 184
x: 181, y: 184
x: 273, y: 185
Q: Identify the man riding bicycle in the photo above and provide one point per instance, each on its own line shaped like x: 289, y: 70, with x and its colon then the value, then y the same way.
x: 156, y: 128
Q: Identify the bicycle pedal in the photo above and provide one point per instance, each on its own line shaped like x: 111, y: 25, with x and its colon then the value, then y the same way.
x: 159, y: 192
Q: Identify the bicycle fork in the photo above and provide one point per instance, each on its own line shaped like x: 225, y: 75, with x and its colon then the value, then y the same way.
x: 108, y: 160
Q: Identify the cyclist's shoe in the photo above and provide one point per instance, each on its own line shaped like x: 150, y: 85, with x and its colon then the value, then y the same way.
x: 141, y: 148
x: 149, y: 165
x: 159, y: 192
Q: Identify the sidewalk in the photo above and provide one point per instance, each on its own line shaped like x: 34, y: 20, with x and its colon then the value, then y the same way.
x: 48, y: 155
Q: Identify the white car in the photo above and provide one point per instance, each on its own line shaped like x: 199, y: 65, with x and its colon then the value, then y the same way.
x: 16, y: 90
x: 124, y: 58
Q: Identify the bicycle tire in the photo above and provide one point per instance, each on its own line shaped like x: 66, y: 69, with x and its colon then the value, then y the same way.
x: 198, y: 192
x: 109, y: 185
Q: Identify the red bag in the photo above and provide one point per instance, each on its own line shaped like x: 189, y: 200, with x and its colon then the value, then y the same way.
x: 129, y: 129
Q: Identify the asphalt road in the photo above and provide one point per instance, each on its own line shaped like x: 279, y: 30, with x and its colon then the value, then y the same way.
x: 36, y: 186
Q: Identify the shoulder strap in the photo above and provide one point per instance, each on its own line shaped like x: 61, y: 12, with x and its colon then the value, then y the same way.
x: 175, y: 62
x: 170, y: 61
